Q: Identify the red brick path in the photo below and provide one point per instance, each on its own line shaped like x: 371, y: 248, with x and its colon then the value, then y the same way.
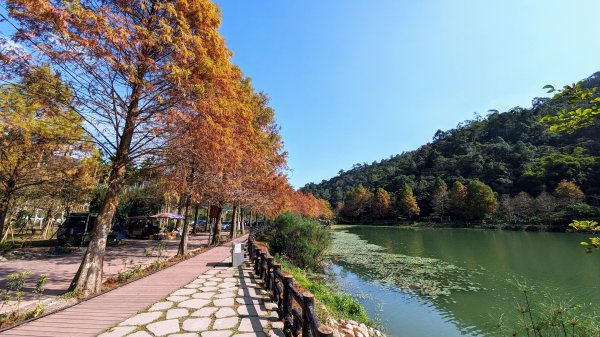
x: 92, y: 317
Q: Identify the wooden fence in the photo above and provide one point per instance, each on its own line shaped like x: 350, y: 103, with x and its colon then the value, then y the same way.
x: 295, y: 309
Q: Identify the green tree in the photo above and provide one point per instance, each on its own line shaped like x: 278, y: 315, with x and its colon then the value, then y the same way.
x: 407, y: 201
x: 380, y: 205
x: 481, y: 200
x: 41, y: 137
x: 588, y: 226
x: 583, y: 110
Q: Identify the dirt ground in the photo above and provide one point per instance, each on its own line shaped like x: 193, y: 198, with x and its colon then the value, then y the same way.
x: 62, y: 268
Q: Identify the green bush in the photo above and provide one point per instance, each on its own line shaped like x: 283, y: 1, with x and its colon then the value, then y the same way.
x: 300, y: 240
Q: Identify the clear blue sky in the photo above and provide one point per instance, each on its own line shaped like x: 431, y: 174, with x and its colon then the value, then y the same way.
x: 357, y: 81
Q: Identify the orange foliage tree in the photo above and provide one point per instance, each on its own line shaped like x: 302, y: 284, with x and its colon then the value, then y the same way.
x: 309, y: 206
x: 131, y: 65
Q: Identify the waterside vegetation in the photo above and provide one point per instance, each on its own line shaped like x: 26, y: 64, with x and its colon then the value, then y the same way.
x: 300, y: 245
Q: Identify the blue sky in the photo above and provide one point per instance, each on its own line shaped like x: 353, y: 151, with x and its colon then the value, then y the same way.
x: 356, y: 81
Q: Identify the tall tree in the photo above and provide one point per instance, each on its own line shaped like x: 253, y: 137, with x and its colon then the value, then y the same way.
x: 381, y: 203
x: 357, y: 202
x: 440, y: 201
x: 133, y: 65
x: 458, y: 198
x: 481, y: 200
x: 523, y: 204
x: 407, y: 201
x: 506, y: 207
x: 545, y: 202
x: 568, y: 193
x: 41, y: 139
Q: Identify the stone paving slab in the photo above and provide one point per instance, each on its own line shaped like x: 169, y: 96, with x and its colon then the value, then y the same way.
x: 197, y: 309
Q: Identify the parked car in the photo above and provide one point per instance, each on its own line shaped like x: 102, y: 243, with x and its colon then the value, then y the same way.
x: 77, y: 228
x: 226, y: 225
x: 141, y: 227
x: 258, y: 223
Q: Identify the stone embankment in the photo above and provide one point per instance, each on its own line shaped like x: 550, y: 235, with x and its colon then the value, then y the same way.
x: 349, y: 328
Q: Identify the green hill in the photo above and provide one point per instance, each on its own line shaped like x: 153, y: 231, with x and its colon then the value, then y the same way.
x: 510, y: 151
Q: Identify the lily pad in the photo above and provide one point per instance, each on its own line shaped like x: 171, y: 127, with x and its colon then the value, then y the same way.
x: 420, y: 275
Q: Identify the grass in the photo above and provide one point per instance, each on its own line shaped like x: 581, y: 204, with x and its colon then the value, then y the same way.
x: 9, y: 245
x: 337, y: 304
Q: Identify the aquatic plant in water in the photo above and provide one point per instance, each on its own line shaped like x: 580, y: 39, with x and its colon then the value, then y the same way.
x: 425, y: 276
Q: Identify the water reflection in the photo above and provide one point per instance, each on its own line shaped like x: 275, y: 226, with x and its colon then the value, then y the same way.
x: 552, y: 261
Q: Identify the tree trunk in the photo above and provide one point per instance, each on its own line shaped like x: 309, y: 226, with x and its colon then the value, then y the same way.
x: 195, y: 218
x: 217, y: 232
x: 3, y: 213
x: 239, y: 219
x: 183, y: 244
x: 242, y: 215
x: 233, y: 221
x: 47, y: 221
x: 180, y: 205
x: 88, y: 278
x: 207, y: 224
x: 4, y: 207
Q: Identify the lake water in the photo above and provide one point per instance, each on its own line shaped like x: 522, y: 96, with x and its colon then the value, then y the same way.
x: 553, y: 262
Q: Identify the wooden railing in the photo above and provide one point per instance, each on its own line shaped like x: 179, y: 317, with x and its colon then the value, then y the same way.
x: 295, y: 309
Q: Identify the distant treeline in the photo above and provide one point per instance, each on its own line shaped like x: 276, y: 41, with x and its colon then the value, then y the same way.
x: 511, y: 155
x: 471, y: 201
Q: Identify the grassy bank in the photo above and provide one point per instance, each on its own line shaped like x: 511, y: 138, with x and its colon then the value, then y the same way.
x: 337, y: 304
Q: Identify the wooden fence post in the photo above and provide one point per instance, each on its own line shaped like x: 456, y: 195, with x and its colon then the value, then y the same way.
x: 276, y: 270
x: 263, y: 265
x: 287, y: 298
x: 270, y: 276
x: 268, y: 270
x: 257, y: 263
x: 307, y: 319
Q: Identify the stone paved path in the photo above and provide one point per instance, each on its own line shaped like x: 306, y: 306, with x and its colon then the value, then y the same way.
x: 221, y: 302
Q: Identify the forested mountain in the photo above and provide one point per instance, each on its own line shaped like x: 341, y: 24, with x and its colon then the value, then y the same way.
x: 511, y: 152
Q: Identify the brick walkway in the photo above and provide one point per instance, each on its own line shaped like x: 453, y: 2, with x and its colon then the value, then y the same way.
x: 94, y: 316
x: 61, y: 269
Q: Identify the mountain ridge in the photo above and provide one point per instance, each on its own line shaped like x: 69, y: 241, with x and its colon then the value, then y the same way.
x: 510, y: 151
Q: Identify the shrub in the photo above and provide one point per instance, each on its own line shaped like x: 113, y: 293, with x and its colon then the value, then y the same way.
x: 302, y: 241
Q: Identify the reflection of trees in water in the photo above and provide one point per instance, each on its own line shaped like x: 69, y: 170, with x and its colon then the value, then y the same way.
x: 552, y: 261
x: 442, y: 305
x: 431, y: 282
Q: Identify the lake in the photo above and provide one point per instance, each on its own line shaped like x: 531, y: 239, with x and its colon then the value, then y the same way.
x: 466, y: 280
